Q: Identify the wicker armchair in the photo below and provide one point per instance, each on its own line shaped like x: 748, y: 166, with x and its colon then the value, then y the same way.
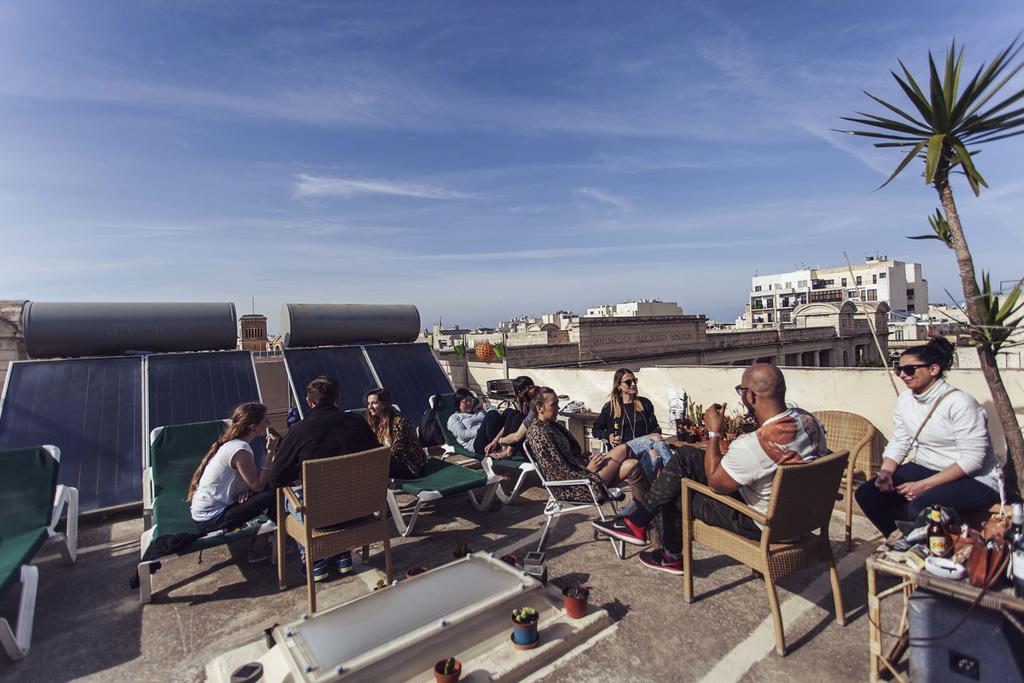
x: 343, y: 506
x: 801, y: 502
x: 853, y: 433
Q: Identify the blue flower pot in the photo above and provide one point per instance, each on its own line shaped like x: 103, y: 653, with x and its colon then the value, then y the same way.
x: 524, y: 634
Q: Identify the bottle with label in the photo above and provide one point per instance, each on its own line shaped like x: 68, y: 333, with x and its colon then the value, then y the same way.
x: 939, y: 543
x: 1017, y: 520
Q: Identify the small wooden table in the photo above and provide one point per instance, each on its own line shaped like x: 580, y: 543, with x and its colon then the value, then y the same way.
x: 886, y: 562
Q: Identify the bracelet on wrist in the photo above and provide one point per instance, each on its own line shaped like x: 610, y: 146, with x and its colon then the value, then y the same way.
x: 714, y: 435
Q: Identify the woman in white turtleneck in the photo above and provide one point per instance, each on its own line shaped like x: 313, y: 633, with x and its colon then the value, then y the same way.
x: 954, y: 464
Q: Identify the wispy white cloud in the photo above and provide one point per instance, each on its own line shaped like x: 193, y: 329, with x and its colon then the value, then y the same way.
x: 307, y: 185
x: 604, y: 196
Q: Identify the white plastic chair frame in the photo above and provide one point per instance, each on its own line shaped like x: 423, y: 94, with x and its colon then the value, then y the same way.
x: 487, y: 464
x: 555, y: 507
x: 405, y: 526
x: 16, y: 642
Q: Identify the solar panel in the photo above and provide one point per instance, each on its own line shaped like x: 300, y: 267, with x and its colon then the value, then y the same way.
x: 91, y: 408
x: 347, y: 364
x: 197, y: 387
x: 411, y: 373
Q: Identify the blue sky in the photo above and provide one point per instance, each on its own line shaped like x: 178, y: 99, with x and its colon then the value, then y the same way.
x: 477, y: 159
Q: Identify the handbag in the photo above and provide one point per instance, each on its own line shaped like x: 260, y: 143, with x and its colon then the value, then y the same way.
x: 986, y: 565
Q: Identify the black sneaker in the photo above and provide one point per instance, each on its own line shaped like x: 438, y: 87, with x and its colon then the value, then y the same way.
x: 622, y: 529
x: 656, y: 559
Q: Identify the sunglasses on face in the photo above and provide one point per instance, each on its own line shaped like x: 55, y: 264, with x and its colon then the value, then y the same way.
x: 629, y: 382
x: 909, y: 369
x: 740, y: 389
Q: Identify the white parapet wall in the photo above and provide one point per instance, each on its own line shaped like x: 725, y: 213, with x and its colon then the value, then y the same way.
x: 865, y: 391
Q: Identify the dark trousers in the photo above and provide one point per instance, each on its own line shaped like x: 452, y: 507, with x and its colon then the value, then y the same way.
x: 665, y: 499
x: 884, y: 509
x: 237, y: 514
x: 493, y: 424
x: 399, y: 470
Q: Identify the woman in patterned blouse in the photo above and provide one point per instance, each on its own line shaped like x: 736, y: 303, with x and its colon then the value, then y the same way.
x: 395, y: 431
x: 559, y: 457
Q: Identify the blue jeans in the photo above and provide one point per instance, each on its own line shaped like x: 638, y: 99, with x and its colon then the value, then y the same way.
x: 641, y: 447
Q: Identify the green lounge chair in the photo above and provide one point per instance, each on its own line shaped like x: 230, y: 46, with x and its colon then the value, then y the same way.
x: 515, y: 466
x: 174, y: 453
x: 32, y: 502
x: 441, y: 479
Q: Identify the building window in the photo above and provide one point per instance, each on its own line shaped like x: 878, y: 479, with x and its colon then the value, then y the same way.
x: 881, y: 276
x: 801, y: 283
x: 859, y: 283
x: 910, y: 307
x: 757, y: 288
x: 842, y: 282
x: 872, y: 295
x: 874, y: 279
x: 910, y: 294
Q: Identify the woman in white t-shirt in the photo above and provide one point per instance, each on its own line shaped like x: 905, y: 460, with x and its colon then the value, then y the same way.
x: 228, y: 489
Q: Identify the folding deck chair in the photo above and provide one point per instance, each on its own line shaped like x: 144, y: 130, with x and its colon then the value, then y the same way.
x: 444, y: 407
x: 441, y: 479
x: 32, y: 502
x: 555, y: 506
x: 174, y: 453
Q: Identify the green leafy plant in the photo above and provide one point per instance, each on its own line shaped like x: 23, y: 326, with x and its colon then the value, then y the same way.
x: 449, y: 666
x: 578, y: 591
x: 524, y: 615
x: 943, y: 128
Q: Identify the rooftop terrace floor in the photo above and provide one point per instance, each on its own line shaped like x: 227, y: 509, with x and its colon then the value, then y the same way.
x: 90, y: 626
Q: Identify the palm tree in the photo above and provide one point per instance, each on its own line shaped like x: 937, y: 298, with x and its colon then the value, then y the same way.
x: 945, y: 130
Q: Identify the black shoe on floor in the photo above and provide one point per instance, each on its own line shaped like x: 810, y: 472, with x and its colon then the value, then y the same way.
x: 656, y: 559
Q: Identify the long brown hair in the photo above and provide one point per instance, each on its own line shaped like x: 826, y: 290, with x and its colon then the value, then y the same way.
x: 616, y: 398
x: 381, y: 424
x: 244, y: 419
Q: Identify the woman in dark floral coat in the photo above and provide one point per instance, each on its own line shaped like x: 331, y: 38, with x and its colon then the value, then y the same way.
x: 396, y: 432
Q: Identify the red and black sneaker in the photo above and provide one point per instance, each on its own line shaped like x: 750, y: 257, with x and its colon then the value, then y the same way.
x: 622, y: 529
x: 657, y: 560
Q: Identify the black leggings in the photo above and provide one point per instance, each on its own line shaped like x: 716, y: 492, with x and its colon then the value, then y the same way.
x: 237, y: 514
x: 494, y: 424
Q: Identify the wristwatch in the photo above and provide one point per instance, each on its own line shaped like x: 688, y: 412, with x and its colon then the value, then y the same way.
x: 713, y: 435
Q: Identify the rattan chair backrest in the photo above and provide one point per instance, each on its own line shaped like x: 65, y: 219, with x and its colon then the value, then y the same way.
x: 803, y: 496
x: 845, y: 431
x: 342, y: 488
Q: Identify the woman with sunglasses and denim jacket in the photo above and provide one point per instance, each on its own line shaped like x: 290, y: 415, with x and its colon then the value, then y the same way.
x: 954, y: 464
x: 629, y: 418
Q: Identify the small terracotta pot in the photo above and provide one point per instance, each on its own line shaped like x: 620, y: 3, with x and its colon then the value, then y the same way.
x: 415, y: 571
x: 510, y: 559
x: 575, y: 608
x: 447, y: 678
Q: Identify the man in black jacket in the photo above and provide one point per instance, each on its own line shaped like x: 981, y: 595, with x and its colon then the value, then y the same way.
x: 326, y: 431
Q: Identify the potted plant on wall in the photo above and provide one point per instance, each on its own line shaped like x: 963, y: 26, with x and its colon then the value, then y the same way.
x: 447, y: 670
x: 524, y: 628
x: 415, y: 571
x: 575, y: 598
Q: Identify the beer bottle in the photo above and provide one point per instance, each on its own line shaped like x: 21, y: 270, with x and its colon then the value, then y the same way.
x: 1017, y: 519
x: 939, y: 543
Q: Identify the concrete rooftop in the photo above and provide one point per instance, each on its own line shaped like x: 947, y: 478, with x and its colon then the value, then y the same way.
x: 90, y: 626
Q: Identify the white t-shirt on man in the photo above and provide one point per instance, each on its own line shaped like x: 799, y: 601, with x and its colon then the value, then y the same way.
x: 791, y: 437
x: 220, y: 485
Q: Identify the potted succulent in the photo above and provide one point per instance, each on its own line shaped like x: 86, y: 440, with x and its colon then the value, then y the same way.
x: 524, y: 628
x: 447, y: 670
x: 415, y: 571
x: 575, y: 598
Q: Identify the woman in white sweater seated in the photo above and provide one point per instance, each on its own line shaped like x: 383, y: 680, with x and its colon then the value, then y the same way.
x: 953, y: 464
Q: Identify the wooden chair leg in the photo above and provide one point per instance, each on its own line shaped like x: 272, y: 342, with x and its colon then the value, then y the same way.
x: 837, y: 593
x: 773, y: 601
x: 687, y: 550
x: 849, y: 512
x: 310, y: 585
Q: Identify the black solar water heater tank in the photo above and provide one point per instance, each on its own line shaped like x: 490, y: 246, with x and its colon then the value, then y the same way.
x: 73, y: 329
x: 304, y: 325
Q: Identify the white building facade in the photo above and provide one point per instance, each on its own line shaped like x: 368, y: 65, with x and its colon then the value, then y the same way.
x: 879, y: 279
